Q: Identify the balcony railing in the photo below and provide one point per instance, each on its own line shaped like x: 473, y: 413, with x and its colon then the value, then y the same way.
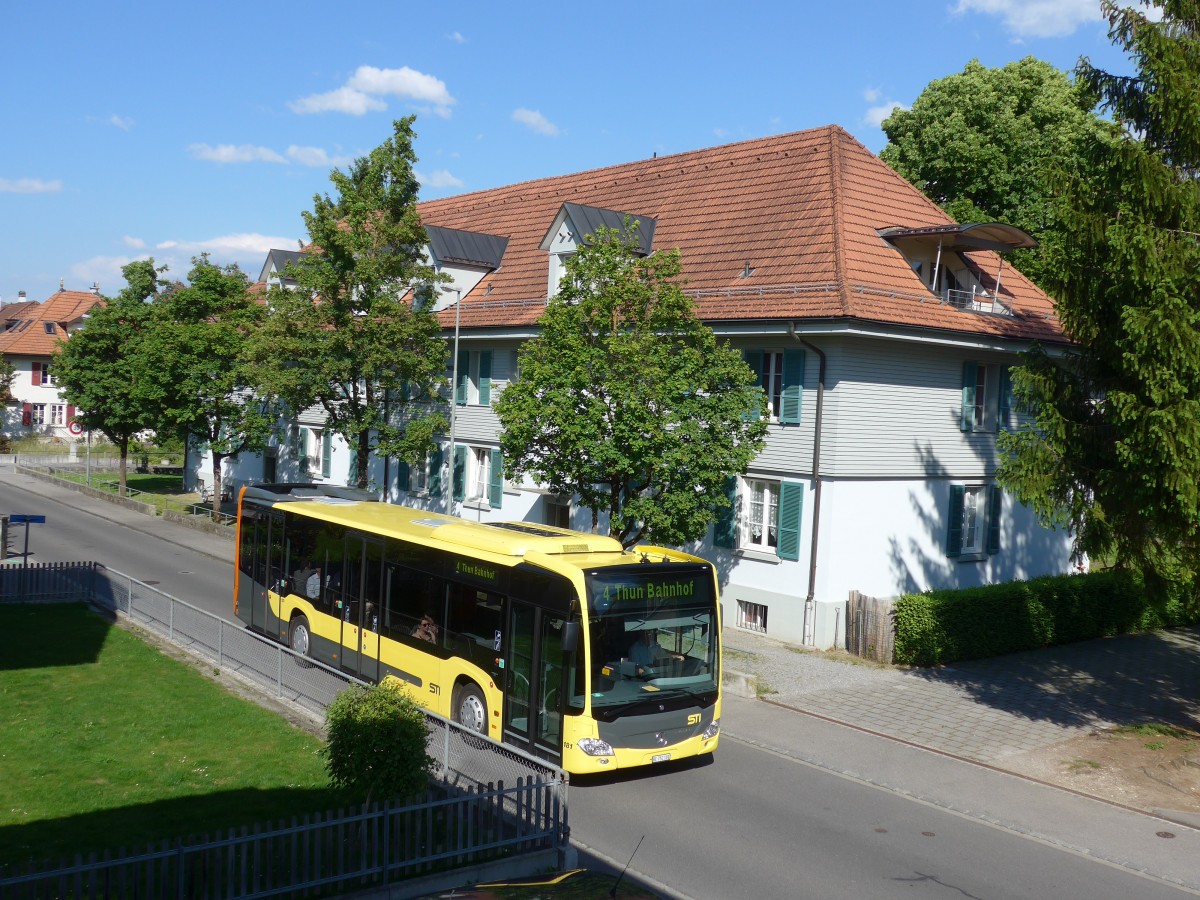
x: 975, y: 301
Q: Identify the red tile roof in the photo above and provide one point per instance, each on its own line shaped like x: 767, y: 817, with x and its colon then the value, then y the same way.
x: 37, y: 330
x: 803, y: 210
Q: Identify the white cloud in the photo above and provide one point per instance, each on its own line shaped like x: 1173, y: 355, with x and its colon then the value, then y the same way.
x: 230, y: 153
x: 102, y: 270
x: 535, y: 121
x: 316, y: 156
x: 439, y: 178
x: 122, y: 122
x: 361, y: 93
x: 457, y: 37
x: 227, y: 245
x: 29, y: 186
x: 1036, y: 18
x: 876, y: 114
x: 135, y: 242
x: 872, y: 94
x: 343, y: 100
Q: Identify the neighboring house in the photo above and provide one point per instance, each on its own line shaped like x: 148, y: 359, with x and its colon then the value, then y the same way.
x: 272, y: 273
x: 882, y: 332
x: 30, y: 337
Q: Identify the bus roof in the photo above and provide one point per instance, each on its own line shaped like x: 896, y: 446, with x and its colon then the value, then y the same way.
x: 514, y: 539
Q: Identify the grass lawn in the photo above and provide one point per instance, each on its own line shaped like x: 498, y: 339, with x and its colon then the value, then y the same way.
x: 105, y: 743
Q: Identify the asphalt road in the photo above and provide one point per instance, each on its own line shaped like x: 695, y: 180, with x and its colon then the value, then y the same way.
x: 758, y: 821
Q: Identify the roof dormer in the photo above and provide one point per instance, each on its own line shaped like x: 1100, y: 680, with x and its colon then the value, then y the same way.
x: 936, y: 255
x: 577, y: 224
x: 466, y: 256
x: 272, y: 273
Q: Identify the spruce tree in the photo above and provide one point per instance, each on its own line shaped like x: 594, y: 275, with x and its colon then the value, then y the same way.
x: 1113, y: 450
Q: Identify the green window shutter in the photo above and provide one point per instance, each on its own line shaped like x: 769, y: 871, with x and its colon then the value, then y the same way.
x: 725, y: 530
x: 485, y: 378
x: 954, y: 521
x: 967, y: 417
x: 352, y: 476
x: 326, y: 451
x: 793, y: 387
x: 402, y: 475
x: 464, y: 372
x: 754, y: 359
x: 435, y: 471
x: 1005, y: 398
x: 496, y: 484
x: 995, y: 497
x: 791, y: 505
x: 460, y: 472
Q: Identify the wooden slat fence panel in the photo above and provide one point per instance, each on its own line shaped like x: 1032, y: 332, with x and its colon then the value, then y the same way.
x: 871, y: 629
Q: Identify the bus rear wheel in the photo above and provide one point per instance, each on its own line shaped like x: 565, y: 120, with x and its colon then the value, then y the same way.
x: 299, y: 637
x: 471, y: 709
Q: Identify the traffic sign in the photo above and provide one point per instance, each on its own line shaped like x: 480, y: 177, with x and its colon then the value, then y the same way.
x: 27, y: 520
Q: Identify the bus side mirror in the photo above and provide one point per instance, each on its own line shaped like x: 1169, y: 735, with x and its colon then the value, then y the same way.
x: 570, y: 637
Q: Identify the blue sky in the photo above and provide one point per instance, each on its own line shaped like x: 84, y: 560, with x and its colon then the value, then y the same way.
x: 165, y: 130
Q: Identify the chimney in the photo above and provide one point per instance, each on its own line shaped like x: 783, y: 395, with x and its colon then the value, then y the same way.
x: 96, y: 287
x: 60, y: 285
x: 20, y: 296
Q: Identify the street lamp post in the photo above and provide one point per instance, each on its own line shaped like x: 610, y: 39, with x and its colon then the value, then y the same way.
x: 454, y: 387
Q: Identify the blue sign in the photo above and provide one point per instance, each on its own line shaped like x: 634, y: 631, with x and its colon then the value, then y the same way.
x: 27, y: 520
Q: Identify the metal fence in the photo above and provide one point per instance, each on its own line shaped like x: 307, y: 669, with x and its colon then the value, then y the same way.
x: 870, y: 627
x: 323, y: 854
x: 465, y: 760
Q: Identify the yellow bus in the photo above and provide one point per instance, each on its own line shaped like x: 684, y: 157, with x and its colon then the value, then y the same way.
x: 558, y: 642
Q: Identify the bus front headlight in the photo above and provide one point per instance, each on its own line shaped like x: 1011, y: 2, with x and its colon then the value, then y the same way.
x: 595, y: 747
x: 711, y: 731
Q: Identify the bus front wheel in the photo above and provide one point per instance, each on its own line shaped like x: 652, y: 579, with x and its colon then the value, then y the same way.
x: 299, y: 637
x: 472, y: 709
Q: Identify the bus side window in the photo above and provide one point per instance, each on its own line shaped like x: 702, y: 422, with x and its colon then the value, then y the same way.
x: 410, y: 595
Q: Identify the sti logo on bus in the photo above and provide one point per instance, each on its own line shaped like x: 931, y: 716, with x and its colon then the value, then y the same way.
x: 694, y: 719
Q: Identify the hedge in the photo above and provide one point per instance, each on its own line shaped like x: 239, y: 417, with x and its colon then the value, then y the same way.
x: 943, y: 626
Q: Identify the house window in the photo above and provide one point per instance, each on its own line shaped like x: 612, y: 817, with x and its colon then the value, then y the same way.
x: 981, y: 398
x: 751, y: 615
x: 973, y: 521
x: 38, y: 414
x: 42, y: 374
x: 763, y: 517
x: 558, y: 512
x: 781, y: 377
x: 423, y: 477
x: 474, y: 385
x: 762, y: 523
x: 58, y: 414
x: 478, y: 476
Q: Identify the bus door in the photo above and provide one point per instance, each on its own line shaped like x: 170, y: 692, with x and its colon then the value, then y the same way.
x: 255, y: 565
x: 346, y: 584
x: 369, y: 594
x: 533, y: 707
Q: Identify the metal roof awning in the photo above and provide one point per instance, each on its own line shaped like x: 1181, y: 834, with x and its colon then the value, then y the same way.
x: 972, y: 236
x: 472, y: 248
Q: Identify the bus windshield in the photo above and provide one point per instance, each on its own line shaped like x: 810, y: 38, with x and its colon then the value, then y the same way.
x: 652, y: 635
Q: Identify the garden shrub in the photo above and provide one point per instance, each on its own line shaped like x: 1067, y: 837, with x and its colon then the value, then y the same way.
x: 943, y: 626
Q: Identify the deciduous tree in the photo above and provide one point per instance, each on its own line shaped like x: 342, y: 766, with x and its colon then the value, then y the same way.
x: 984, y: 143
x: 358, y: 336
x: 1115, y: 448
x: 627, y: 400
x: 101, y: 369
x: 199, y: 375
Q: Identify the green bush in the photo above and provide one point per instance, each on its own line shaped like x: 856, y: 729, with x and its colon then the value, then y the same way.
x: 944, y: 626
x: 376, y: 743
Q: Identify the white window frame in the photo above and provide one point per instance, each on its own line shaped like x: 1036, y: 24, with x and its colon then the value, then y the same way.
x: 313, y: 460
x: 478, y: 475
x: 58, y: 414
x: 37, y: 414
x: 760, y: 507
x: 974, y: 523
x: 983, y: 373
x: 46, y: 377
x: 770, y: 379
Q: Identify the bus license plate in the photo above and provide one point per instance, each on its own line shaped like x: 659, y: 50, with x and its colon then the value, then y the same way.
x: 660, y: 757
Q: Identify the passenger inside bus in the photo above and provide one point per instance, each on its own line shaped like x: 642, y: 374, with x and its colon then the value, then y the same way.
x: 646, y: 652
x: 426, y: 629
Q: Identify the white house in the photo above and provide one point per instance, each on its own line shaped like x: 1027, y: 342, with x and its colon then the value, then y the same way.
x: 882, y: 332
x: 30, y: 337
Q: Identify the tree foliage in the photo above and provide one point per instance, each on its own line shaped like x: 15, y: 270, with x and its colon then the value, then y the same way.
x: 198, y: 372
x: 358, y: 336
x: 1115, y: 448
x: 375, y: 743
x: 102, y: 369
x: 984, y: 145
x: 627, y: 400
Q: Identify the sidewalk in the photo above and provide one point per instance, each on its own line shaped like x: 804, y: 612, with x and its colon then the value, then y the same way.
x: 989, y: 709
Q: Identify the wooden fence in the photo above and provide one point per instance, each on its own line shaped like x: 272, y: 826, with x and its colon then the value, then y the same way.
x: 321, y: 855
x: 870, y: 628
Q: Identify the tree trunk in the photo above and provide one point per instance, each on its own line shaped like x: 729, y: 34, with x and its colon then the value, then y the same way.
x: 217, y: 460
x: 124, y: 448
